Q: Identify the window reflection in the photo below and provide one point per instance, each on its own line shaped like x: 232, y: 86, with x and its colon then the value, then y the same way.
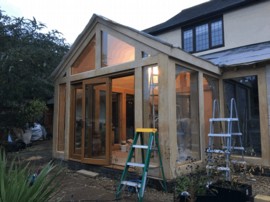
x: 245, y: 91
x: 115, y: 51
x: 78, y: 120
x: 210, y: 93
x: 150, y: 96
x: 187, y: 114
x: 87, y: 59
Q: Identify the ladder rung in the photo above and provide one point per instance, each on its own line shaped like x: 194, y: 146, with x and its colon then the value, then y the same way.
x: 219, y: 135
x: 235, y: 148
x: 146, y: 130
x: 238, y: 162
x: 218, y: 168
x: 223, y: 169
x: 135, y: 164
x: 239, y: 148
x: 140, y: 146
x: 217, y: 151
x: 236, y: 133
x: 223, y: 119
x: 210, y: 167
x: 132, y: 184
x: 153, y: 135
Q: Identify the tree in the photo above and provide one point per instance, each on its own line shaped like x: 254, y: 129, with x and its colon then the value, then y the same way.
x: 28, y: 55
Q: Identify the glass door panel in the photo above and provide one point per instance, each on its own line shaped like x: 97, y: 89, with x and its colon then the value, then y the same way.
x: 76, y: 122
x: 116, y: 117
x: 129, y: 116
x: 97, y: 115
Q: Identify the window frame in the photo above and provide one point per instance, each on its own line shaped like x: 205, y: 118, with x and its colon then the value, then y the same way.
x: 193, y: 29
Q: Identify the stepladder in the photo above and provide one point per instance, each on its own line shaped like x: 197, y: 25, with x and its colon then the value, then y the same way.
x: 146, y: 151
x: 225, y: 140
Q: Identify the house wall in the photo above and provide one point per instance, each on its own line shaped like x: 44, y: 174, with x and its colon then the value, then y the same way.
x: 173, y: 37
x: 241, y: 27
x: 245, y: 26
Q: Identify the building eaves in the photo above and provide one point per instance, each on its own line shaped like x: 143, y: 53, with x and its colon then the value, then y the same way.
x: 199, y: 12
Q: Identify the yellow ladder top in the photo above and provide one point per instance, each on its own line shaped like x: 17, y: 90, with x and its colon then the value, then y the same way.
x: 146, y: 130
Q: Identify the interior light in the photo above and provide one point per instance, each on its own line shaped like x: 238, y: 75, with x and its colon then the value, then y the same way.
x: 155, y: 70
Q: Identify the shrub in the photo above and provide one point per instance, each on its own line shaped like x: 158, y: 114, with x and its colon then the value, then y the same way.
x: 16, y: 182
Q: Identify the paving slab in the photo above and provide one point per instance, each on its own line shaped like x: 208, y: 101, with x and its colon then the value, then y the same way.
x: 87, y: 173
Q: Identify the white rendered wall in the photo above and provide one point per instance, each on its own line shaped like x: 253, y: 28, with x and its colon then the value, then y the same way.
x: 249, y: 25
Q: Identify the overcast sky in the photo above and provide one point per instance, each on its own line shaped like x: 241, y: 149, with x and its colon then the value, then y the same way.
x: 71, y: 16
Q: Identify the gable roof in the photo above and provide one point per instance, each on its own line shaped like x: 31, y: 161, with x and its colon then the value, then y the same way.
x: 147, y: 39
x: 199, y: 12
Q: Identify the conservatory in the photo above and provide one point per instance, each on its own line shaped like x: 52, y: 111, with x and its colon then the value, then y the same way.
x: 115, y: 79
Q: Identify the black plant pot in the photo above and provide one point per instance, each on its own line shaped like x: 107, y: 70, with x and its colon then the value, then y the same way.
x: 231, y: 191
x: 206, y: 198
x: 182, y: 198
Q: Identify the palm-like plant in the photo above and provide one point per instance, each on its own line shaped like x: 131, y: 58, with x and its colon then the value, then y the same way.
x: 16, y: 184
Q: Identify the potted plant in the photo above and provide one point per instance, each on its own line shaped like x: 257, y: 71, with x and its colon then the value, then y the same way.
x: 232, y: 190
x: 193, y: 186
x: 202, y: 192
x: 182, y: 186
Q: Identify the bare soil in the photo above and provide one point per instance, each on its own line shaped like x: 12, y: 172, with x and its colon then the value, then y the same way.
x: 77, y: 187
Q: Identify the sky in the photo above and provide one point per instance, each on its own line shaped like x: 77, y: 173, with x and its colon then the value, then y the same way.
x: 71, y: 16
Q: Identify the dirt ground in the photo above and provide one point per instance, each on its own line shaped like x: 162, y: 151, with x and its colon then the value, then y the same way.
x: 77, y: 187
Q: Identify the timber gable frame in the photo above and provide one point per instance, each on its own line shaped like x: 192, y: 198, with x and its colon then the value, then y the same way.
x: 98, y: 23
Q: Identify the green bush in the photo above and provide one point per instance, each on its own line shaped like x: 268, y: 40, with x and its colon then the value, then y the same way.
x: 16, y: 186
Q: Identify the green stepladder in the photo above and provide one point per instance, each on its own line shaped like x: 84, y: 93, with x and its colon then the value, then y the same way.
x: 144, y: 165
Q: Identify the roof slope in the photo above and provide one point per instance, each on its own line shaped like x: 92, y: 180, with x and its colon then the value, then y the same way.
x: 245, y: 55
x: 212, y: 7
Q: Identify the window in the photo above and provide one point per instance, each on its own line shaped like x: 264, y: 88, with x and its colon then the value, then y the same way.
x: 115, y: 51
x: 150, y: 96
x: 216, y: 33
x: 245, y: 91
x: 61, y: 117
x: 210, y: 93
x: 188, y: 40
x: 187, y: 114
x: 203, y: 37
x: 76, y: 120
x: 87, y: 59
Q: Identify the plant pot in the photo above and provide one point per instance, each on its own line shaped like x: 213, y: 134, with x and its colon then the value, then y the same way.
x: 181, y: 198
x: 206, y: 198
x: 232, y: 191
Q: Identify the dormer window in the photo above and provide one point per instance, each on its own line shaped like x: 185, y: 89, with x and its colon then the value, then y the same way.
x: 203, y: 37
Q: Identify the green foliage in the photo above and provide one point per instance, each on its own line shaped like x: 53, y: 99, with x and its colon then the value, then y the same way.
x: 194, y: 182
x: 28, y: 55
x: 15, y: 182
x: 32, y: 111
x: 183, y: 183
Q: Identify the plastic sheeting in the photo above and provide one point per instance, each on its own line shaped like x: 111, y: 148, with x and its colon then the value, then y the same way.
x: 245, y: 55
